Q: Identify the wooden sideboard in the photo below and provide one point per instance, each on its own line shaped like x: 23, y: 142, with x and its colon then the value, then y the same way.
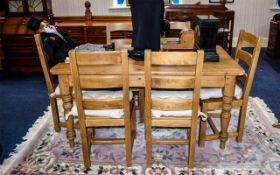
x: 188, y: 12
x: 93, y: 31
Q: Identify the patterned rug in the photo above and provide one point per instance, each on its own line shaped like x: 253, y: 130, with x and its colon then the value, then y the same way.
x: 47, y: 152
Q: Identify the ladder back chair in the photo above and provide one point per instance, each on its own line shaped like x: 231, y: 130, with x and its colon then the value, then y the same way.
x: 120, y: 43
x: 54, y: 93
x: 116, y: 108
x: 172, y: 100
x: 211, y: 98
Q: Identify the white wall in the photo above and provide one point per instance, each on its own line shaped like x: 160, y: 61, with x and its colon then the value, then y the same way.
x: 251, y: 15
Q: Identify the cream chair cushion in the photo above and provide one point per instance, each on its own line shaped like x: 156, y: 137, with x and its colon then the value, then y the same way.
x: 207, y: 93
x: 102, y: 94
x: 172, y: 95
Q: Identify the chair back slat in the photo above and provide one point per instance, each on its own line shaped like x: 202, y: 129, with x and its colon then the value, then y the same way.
x: 172, y: 104
x: 103, y: 104
x: 124, y: 43
x: 179, y: 25
x: 173, y: 82
x: 249, y: 38
x: 164, y: 40
x: 244, y: 56
x: 101, y: 82
x: 44, y: 63
x: 174, y: 58
x: 87, y: 58
x: 119, y: 27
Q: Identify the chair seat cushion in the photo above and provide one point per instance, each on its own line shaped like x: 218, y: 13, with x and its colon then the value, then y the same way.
x: 112, y: 113
x: 102, y: 94
x: 57, y: 91
x: 172, y: 95
x: 207, y: 93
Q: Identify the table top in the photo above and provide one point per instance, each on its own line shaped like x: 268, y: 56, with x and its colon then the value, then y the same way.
x: 226, y: 65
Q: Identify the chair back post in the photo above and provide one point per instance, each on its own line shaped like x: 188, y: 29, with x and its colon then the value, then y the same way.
x: 77, y: 86
x: 125, y: 84
x: 197, y: 85
x: 108, y: 33
x: 148, y: 89
x: 44, y: 63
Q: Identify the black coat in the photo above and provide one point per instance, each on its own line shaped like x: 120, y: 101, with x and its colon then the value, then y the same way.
x: 146, y: 21
x: 55, y: 47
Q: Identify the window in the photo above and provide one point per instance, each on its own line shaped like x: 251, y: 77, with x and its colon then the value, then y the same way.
x: 123, y: 3
x: 25, y: 6
x: 277, y: 4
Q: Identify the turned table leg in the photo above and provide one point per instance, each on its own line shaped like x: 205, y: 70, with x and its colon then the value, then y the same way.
x: 67, y: 105
x: 227, y: 105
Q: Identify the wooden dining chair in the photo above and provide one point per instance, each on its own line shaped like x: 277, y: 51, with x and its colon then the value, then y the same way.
x: 172, y: 100
x: 116, y: 107
x: 211, y: 98
x: 54, y: 93
x: 120, y: 41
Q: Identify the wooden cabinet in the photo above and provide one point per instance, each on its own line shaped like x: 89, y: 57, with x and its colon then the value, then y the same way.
x: 91, y: 31
x: 18, y: 44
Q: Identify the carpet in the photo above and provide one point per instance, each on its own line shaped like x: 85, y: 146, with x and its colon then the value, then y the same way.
x: 47, y: 152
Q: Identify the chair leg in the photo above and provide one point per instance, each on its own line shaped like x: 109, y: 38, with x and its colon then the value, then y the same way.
x: 192, y: 142
x: 202, y: 127
x: 128, y: 144
x: 133, y: 123
x: 202, y: 133
x: 141, y: 103
x: 241, y: 123
x: 85, y: 147
x: 71, y: 131
x: 91, y: 133
x: 55, y: 115
x: 148, y: 136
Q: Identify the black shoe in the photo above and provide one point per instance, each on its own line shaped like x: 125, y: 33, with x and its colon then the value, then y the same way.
x: 137, y: 55
x: 109, y: 47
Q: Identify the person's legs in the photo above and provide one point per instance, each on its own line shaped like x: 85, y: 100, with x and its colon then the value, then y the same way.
x: 146, y: 17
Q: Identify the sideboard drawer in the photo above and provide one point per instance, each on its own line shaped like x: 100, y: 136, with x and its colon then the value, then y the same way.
x: 72, y: 30
x: 100, y: 30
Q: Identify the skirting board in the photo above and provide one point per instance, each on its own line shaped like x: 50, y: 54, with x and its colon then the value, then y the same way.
x: 264, y: 43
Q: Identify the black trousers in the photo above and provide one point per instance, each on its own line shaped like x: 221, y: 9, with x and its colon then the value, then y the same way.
x: 146, y: 21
